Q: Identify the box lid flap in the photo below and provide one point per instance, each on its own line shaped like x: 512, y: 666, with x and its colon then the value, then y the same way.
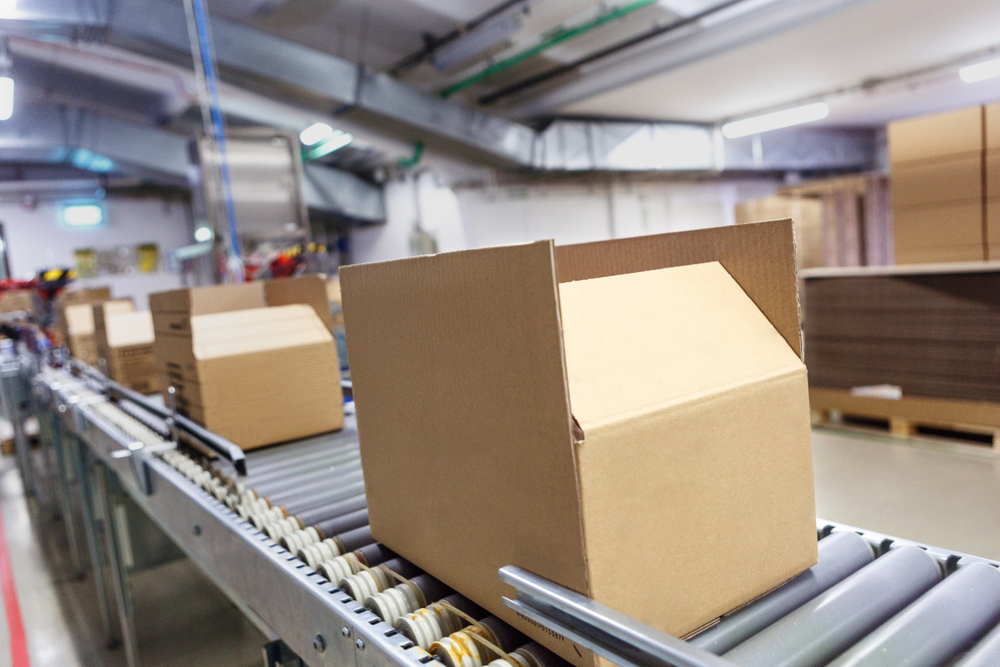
x: 759, y: 256
x: 308, y: 290
x: 459, y: 379
x: 124, y: 328
x: 210, y: 299
x: 116, y: 307
x: 79, y: 319
x: 256, y: 330
x: 644, y: 341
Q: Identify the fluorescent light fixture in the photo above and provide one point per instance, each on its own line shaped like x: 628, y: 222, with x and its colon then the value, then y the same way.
x: 980, y: 71
x: 8, y: 8
x: 203, y: 234
x: 82, y: 215
x: 6, y: 97
x: 315, y: 133
x: 776, y: 120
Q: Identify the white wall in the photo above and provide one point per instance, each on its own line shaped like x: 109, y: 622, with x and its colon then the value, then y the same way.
x: 569, y: 213
x: 37, y: 240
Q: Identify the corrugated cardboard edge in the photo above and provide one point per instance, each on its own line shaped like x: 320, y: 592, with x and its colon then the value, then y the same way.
x: 767, y: 247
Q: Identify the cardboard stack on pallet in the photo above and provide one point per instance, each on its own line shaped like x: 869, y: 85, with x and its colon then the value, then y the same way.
x: 993, y: 181
x: 75, y: 321
x: 937, y: 187
x: 629, y: 419
x: 933, y: 333
x: 125, y: 343
x: 255, y: 363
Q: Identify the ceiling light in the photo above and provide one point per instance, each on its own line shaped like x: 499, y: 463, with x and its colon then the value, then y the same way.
x: 315, y: 133
x: 7, y: 8
x: 203, y: 234
x: 776, y: 120
x: 6, y: 97
x: 980, y: 71
x: 83, y: 215
x: 337, y: 140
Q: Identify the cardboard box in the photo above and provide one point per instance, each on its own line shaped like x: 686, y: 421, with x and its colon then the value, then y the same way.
x: 629, y: 419
x: 173, y: 310
x: 335, y: 300
x: 805, y: 212
x: 17, y: 300
x: 125, y: 343
x: 993, y: 226
x: 255, y: 376
x: 956, y: 134
x: 941, y: 254
x: 938, y: 182
x: 993, y: 174
x: 926, y: 228
x: 83, y: 320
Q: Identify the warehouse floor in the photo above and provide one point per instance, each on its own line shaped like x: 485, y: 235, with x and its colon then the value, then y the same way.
x: 940, y: 494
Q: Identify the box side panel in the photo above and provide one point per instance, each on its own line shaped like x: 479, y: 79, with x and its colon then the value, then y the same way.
x: 760, y: 257
x: 936, y: 136
x: 697, y: 510
x: 308, y: 290
x: 463, y: 416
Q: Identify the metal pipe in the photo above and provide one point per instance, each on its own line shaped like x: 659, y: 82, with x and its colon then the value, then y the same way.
x: 824, y: 627
x: 332, y: 526
x: 559, y: 70
x: 840, y: 555
x: 937, y: 627
x: 554, y: 38
x: 263, y: 468
x: 333, y: 488
x: 309, y: 475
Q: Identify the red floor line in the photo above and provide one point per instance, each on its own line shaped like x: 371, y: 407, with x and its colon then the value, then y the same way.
x: 15, y: 624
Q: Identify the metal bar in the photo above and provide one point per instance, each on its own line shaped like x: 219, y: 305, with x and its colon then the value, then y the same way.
x: 840, y: 555
x: 62, y: 482
x: 228, y: 450
x: 935, y: 628
x: 119, y: 573
x: 78, y: 454
x: 608, y: 633
x: 827, y: 625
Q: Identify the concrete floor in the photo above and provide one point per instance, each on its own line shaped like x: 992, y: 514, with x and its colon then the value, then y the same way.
x: 945, y: 495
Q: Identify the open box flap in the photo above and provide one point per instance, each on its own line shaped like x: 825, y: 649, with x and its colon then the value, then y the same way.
x: 642, y: 342
x: 760, y: 257
x: 459, y: 381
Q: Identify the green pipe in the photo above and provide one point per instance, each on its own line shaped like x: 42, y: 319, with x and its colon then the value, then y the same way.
x: 557, y: 36
x: 418, y: 151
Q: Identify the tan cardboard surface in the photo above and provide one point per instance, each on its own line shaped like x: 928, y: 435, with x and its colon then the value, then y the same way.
x: 129, y: 328
x: 79, y: 319
x: 939, y: 181
x: 935, y: 226
x: 83, y: 347
x: 209, y: 299
x: 256, y: 330
x: 485, y: 355
x: 936, y: 136
x: 993, y: 223
x: 14, y: 300
x: 89, y: 295
x: 993, y: 126
x: 940, y: 254
x: 760, y: 257
x: 310, y: 290
x: 993, y: 173
x: 615, y: 332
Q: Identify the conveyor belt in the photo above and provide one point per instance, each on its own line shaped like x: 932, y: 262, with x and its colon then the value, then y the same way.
x: 289, y: 542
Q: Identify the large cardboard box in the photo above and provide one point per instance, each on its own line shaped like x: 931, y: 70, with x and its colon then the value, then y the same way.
x: 83, y: 320
x: 255, y: 376
x: 629, y: 419
x: 992, y: 118
x: 993, y: 227
x: 938, y: 182
x: 955, y: 134
x: 951, y: 232
x: 125, y: 342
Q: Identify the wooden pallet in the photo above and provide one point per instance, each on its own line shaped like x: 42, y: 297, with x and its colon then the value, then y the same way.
x: 910, y: 415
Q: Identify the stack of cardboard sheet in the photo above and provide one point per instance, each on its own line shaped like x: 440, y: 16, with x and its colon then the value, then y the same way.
x: 125, y: 343
x: 629, y: 419
x: 937, y: 187
x: 993, y: 180
x: 933, y: 333
x: 256, y: 363
x: 75, y: 321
